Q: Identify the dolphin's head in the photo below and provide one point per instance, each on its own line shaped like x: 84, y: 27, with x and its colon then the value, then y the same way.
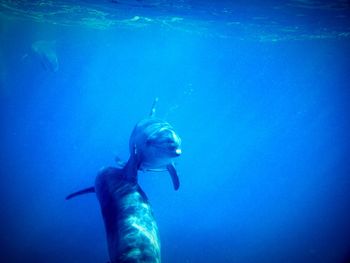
x: 154, y: 144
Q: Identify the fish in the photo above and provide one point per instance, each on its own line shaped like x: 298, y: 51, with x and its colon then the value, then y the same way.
x: 46, y: 52
x: 131, y: 229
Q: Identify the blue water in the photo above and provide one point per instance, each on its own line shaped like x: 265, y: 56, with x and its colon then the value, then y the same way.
x: 259, y: 94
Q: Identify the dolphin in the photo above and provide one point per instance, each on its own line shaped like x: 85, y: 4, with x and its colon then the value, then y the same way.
x: 46, y: 52
x: 131, y: 229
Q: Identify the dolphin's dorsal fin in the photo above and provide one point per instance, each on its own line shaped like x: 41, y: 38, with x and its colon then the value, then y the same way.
x: 174, y: 177
x: 153, y: 110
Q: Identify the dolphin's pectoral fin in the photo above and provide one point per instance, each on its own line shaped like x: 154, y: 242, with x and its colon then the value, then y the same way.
x: 81, y: 192
x: 173, y: 175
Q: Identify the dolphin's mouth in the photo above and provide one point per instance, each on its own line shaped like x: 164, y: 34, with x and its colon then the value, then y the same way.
x: 168, y: 146
x: 173, y: 149
x: 176, y: 152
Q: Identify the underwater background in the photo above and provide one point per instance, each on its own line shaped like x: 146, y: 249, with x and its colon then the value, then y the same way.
x: 259, y: 92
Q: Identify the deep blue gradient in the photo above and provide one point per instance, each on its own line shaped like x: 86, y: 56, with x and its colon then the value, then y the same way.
x: 264, y: 124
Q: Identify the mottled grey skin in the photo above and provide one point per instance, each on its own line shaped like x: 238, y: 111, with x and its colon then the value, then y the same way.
x: 132, y: 232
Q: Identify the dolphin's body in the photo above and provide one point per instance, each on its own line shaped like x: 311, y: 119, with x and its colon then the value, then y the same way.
x: 132, y: 232
x: 46, y: 52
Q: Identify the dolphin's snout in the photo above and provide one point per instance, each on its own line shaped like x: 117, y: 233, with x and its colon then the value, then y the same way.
x: 175, y: 149
x: 166, y: 138
x: 178, y: 152
x: 175, y: 145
